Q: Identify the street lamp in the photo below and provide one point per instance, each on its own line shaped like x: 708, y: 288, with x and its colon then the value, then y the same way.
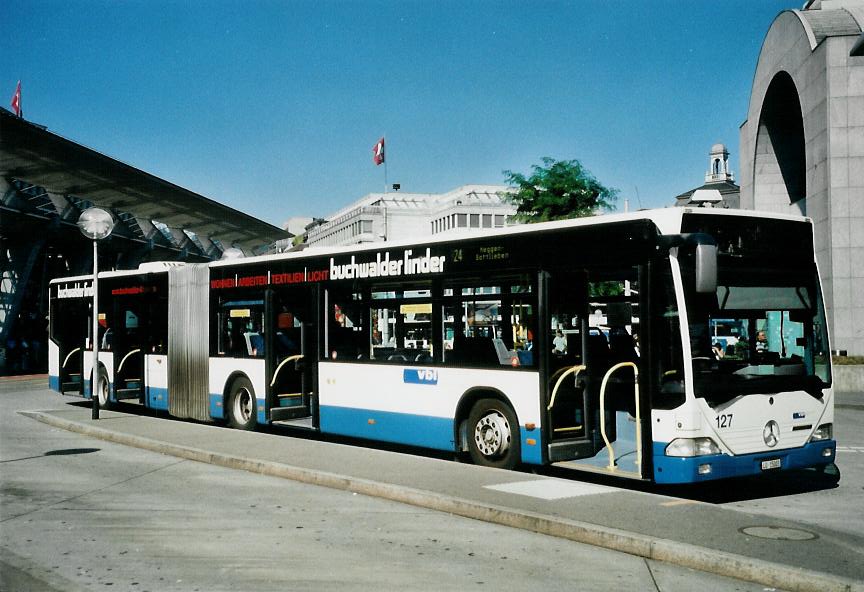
x: 95, y: 224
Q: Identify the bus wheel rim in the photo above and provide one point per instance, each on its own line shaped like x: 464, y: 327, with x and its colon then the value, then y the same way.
x: 492, y: 434
x: 243, y: 405
x: 102, y: 389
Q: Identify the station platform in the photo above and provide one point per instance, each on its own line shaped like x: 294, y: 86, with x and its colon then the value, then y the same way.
x: 658, y: 523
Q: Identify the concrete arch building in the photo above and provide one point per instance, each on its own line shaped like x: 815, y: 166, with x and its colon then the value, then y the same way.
x: 802, y: 146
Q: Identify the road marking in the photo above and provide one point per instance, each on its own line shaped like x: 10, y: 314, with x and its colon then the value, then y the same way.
x: 679, y: 503
x: 850, y: 449
x: 549, y: 489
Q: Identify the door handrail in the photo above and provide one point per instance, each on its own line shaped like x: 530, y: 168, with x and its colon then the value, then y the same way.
x: 123, y: 361
x: 282, y: 363
x: 609, y: 448
x: 77, y: 349
x: 577, y: 369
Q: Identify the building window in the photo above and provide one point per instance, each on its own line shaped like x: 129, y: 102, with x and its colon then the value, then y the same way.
x: 487, y: 220
x: 462, y: 220
x: 475, y: 220
x: 499, y: 221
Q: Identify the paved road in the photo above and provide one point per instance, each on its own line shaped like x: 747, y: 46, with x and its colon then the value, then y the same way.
x: 78, y: 513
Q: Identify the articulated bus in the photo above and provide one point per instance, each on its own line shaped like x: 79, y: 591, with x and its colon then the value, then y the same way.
x: 677, y: 345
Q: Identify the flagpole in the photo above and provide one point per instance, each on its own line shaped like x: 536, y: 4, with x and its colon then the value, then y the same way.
x: 384, y: 137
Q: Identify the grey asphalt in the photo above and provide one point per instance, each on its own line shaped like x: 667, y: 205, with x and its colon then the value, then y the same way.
x: 673, y: 528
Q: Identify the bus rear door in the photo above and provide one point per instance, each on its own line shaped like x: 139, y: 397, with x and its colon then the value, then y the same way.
x: 68, y: 330
x: 129, y: 344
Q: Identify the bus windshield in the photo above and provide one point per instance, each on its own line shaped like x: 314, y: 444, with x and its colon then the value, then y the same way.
x: 762, y: 331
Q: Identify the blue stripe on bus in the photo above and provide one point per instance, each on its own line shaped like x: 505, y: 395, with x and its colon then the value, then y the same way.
x: 217, y: 411
x: 532, y: 454
x: 157, y: 398
x: 386, y: 426
x: 412, y: 430
x: 54, y: 383
x: 260, y: 406
x: 669, y: 469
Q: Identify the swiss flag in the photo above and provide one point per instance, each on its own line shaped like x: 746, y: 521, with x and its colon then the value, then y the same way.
x: 378, y: 152
x: 16, y: 104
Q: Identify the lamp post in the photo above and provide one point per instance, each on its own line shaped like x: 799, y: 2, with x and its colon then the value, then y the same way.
x: 95, y: 224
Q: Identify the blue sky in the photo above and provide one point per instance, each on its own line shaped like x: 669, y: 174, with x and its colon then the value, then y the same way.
x: 272, y: 107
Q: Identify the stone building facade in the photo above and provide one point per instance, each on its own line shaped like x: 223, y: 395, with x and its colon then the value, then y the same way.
x: 802, y: 146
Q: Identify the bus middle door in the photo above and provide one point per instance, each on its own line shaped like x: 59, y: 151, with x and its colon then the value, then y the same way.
x: 291, y: 354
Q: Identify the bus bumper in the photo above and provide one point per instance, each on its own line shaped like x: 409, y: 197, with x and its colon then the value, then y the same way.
x: 669, y: 469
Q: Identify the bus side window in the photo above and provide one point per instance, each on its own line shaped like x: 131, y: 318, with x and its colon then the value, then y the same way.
x: 241, y: 326
x: 489, y: 326
x: 158, y: 326
x: 346, y: 336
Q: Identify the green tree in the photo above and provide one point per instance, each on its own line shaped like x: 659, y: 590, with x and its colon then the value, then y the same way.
x: 557, y: 190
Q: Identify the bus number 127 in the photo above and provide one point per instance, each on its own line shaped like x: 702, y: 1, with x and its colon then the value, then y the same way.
x: 724, y: 421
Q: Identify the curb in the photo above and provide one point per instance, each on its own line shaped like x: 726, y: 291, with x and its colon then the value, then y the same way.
x: 682, y: 554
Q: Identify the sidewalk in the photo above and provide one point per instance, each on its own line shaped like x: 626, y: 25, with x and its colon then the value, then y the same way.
x: 680, y: 531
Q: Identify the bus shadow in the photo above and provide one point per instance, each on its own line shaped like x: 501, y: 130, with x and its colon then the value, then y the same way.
x: 794, y: 482
x: 711, y: 492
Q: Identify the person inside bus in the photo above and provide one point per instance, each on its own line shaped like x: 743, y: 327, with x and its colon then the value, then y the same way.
x: 256, y: 342
x: 559, y: 344
x: 761, y: 341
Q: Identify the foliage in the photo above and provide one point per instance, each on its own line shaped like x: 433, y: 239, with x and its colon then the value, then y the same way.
x: 847, y: 360
x: 557, y: 190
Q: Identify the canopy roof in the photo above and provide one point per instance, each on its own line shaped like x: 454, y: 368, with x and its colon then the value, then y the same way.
x: 30, y: 153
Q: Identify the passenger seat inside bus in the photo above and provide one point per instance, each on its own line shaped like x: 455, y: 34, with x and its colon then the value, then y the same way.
x: 473, y: 351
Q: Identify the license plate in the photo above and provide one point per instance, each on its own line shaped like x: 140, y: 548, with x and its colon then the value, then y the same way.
x: 768, y: 465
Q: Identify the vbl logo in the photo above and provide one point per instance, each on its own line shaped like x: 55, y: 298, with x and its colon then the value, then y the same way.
x: 420, y: 376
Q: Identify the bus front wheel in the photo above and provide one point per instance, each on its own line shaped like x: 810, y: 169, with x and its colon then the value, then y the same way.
x: 241, y: 405
x: 493, y: 435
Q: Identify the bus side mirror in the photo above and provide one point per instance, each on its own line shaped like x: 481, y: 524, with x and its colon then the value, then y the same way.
x: 706, y: 269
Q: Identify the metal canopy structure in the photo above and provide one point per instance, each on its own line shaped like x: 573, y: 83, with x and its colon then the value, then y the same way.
x: 46, y: 181
x: 35, y: 156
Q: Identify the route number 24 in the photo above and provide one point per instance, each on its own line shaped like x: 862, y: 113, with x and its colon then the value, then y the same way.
x: 724, y: 420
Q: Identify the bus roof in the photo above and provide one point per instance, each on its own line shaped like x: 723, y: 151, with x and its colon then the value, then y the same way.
x: 667, y: 221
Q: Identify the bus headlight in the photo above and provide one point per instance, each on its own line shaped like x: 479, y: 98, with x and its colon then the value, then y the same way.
x: 692, y: 447
x: 823, y: 432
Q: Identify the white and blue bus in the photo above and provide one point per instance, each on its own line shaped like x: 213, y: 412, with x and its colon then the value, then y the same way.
x: 590, y: 344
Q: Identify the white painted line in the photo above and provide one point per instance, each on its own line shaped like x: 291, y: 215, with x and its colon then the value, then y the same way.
x: 549, y: 489
x: 850, y: 449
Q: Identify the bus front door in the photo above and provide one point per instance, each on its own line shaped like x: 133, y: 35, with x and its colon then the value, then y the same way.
x: 291, y: 355
x: 592, y: 397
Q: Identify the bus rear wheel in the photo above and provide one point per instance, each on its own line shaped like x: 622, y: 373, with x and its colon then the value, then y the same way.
x: 103, y: 388
x: 493, y: 435
x: 241, y: 405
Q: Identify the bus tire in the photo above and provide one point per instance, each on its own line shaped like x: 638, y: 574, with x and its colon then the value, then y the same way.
x: 241, y: 405
x: 493, y: 435
x: 103, y: 395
